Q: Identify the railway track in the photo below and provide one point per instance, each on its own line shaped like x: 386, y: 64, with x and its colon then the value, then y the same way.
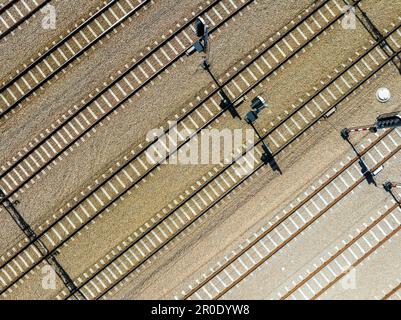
x: 203, y: 113
x: 135, y: 252
x: 217, y: 186
x: 14, y: 13
x: 289, y: 224
x: 356, y: 250
x: 393, y: 294
x: 62, y: 53
x: 217, y: 112
x: 206, y: 113
x: 110, y: 183
x: 72, y: 127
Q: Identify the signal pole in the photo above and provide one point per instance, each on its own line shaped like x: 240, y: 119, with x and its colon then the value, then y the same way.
x: 257, y: 105
x: 203, y: 46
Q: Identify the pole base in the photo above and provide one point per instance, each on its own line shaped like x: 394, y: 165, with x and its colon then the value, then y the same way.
x: 345, y: 133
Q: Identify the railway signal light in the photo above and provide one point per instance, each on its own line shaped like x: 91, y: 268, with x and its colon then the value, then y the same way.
x: 257, y: 105
x: 200, y: 27
x: 202, y: 45
x: 384, y: 121
x: 345, y: 133
x: 389, y: 120
x: 388, y: 186
x: 202, y: 32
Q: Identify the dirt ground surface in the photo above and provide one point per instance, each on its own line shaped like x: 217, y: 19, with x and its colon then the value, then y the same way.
x: 127, y: 128
x: 258, y: 202
x: 242, y: 213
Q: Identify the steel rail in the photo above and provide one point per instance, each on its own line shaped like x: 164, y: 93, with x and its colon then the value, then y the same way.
x: 22, y: 20
x: 283, y: 219
x: 357, y: 183
x: 105, y: 115
x: 303, y: 228
x: 372, y: 250
x: 322, y: 115
x: 391, y: 292
x: 154, y: 167
x: 220, y: 198
x: 56, y: 45
x: 317, y: 119
x: 67, y: 62
x: 43, y: 232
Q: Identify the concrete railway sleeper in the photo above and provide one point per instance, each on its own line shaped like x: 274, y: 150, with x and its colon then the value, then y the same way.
x: 359, y: 83
x: 76, y: 43
x: 79, y: 205
x: 68, y: 132
x: 136, y: 254
x: 258, y: 250
x: 14, y: 13
x: 350, y: 255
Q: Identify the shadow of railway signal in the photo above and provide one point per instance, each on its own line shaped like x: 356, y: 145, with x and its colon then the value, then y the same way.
x: 366, y: 172
x: 268, y: 159
x: 369, y: 176
x: 257, y: 105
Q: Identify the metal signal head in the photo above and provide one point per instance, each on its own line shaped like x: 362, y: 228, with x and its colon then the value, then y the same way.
x: 258, y: 103
x: 389, y: 120
x: 200, y: 27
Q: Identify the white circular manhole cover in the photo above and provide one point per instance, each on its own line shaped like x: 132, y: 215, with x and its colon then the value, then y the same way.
x: 383, y: 94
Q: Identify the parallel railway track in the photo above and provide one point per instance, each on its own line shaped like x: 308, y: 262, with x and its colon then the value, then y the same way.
x: 16, y: 12
x: 62, y: 53
x: 137, y: 252
x: 228, y: 175
x: 393, y: 294
x: 139, y: 156
x: 233, y: 13
x: 123, y: 174
x: 71, y: 129
x: 359, y: 247
x: 288, y: 225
